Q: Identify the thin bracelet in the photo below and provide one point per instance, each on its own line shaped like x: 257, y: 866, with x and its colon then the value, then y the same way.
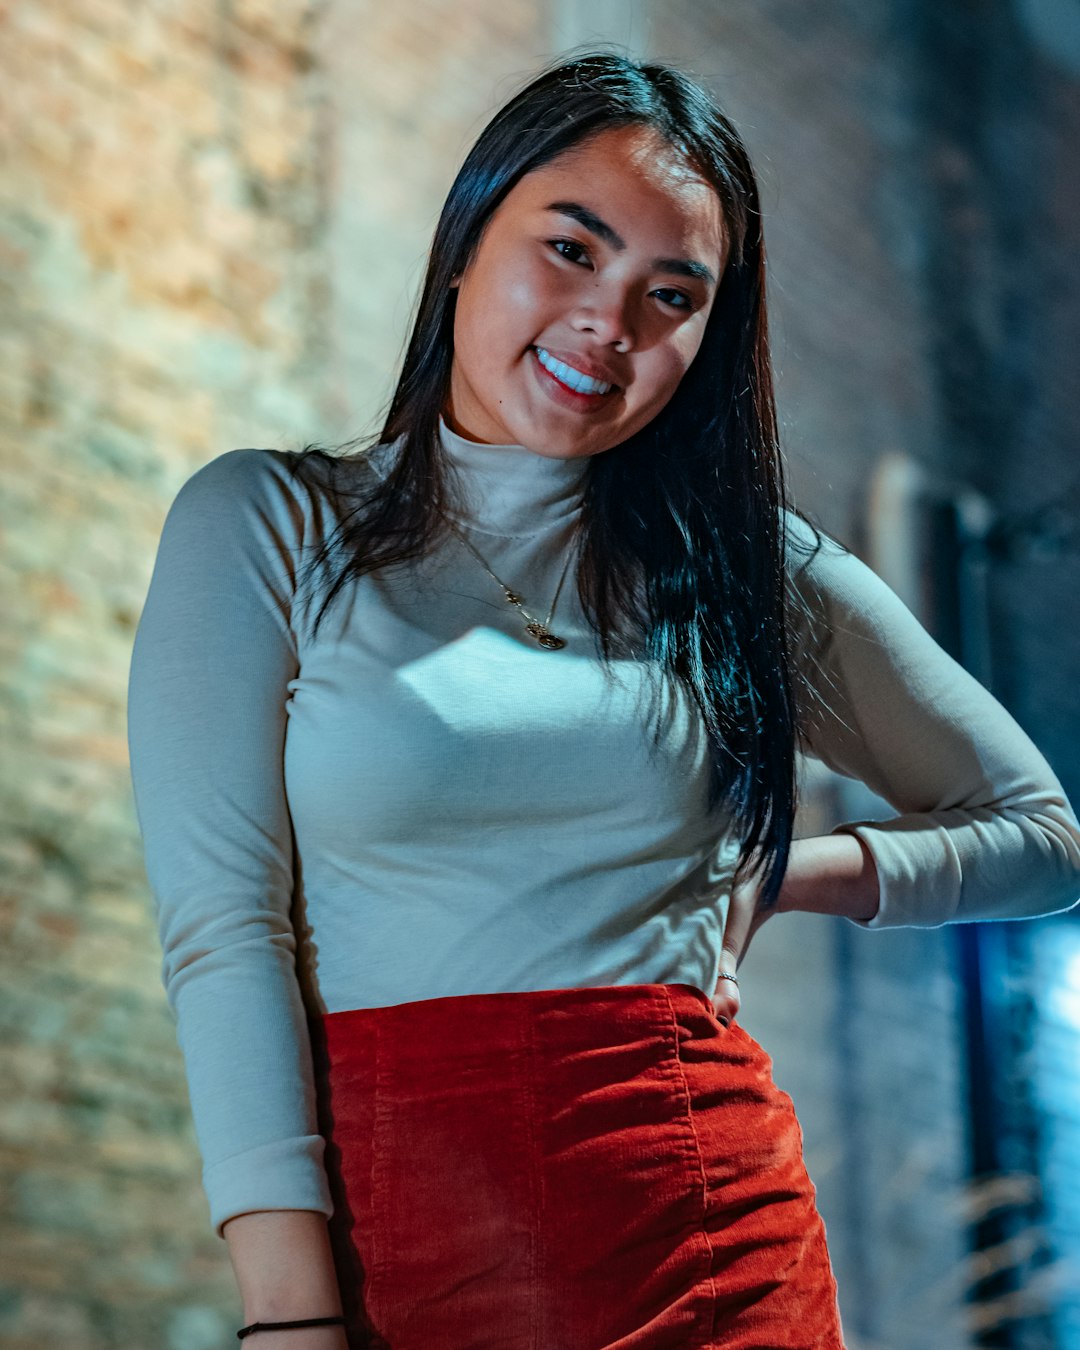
x: 289, y: 1326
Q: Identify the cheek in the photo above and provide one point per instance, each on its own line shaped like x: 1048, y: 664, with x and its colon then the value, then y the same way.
x: 664, y: 371
x: 525, y: 298
x: 495, y: 326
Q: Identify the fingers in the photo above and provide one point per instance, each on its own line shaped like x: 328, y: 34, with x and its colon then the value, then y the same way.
x: 725, y: 1001
x: 743, y: 920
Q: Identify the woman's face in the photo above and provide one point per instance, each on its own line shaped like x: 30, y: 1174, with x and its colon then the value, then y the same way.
x: 606, y: 259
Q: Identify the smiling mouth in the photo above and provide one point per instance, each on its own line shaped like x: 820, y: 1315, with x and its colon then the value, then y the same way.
x: 583, y: 400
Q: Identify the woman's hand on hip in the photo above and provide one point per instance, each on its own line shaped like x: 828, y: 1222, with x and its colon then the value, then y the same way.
x: 744, y: 918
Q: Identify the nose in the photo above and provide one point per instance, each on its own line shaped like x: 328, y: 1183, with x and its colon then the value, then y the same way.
x: 607, y: 313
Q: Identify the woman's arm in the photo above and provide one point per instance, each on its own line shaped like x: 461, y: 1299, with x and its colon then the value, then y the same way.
x: 213, y: 657
x: 826, y: 874
x: 285, y: 1272
x: 984, y: 829
x: 831, y: 874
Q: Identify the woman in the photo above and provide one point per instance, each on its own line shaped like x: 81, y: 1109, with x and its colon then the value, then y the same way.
x: 456, y: 856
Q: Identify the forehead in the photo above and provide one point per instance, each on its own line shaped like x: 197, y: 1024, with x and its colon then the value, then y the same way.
x: 635, y: 174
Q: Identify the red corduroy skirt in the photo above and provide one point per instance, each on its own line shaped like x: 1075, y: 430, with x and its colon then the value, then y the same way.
x: 567, y: 1169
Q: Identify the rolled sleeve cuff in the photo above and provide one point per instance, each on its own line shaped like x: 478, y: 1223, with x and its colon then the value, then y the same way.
x: 283, y: 1174
x: 919, y: 875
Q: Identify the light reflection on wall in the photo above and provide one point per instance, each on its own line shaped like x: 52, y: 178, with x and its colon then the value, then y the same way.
x: 1063, y: 1000
x: 1055, y: 1069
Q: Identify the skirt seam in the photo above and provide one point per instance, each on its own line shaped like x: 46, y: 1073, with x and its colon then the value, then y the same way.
x: 378, y: 1105
x: 535, y: 1181
x: 701, y: 1165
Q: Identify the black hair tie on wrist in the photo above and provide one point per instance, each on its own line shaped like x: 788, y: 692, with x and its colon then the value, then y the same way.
x: 289, y: 1326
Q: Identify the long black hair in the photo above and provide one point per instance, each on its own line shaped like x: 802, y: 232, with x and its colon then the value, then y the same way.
x: 682, y: 531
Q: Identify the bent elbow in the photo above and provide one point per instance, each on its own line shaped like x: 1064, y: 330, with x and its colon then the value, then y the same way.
x: 1059, y: 832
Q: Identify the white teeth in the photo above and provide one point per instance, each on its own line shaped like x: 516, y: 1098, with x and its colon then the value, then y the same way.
x: 574, y: 378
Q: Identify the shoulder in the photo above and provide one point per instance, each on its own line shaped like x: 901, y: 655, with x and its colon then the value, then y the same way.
x: 817, y: 566
x: 274, y: 494
x: 235, y: 477
x: 819, y: 563
x: 312, y: 479
x: 834, y: 594
x: 809, y: 550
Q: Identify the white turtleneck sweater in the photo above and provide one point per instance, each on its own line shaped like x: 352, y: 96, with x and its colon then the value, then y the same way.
x: 424, y: 802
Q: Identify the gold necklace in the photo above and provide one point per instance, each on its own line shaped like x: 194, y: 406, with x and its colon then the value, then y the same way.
x: 535, y: 629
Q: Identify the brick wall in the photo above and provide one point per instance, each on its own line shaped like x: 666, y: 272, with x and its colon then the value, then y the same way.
x: 173, y: 277
x: 161, y: 207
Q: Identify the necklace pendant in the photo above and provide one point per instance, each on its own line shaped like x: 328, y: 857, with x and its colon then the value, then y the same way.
x: 545, y: 639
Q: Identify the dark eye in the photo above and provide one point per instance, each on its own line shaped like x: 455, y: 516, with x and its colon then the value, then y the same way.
x: 570, y: 243
x: 687, y: 300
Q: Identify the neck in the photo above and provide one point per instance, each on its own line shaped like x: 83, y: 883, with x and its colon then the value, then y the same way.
x: 506, y: 490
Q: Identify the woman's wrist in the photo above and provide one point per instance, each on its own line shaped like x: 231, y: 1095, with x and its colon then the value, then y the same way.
x: 297, y: 1338
x: 831, y: 874
x: 284, y: 1268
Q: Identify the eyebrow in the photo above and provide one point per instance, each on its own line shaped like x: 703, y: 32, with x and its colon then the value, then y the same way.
x: 683, y: 267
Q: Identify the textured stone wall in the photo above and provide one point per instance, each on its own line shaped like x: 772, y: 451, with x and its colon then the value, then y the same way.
x: 172, y: 226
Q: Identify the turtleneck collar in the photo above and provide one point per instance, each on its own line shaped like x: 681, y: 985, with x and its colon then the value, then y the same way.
x: 513, y: 490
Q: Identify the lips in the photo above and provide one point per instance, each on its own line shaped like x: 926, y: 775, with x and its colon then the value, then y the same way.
x: 583, y: 365
x: 565, y: 395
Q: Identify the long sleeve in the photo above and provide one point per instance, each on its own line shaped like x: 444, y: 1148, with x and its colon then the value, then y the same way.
x: 984, y: 830
x: 213, y: 656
